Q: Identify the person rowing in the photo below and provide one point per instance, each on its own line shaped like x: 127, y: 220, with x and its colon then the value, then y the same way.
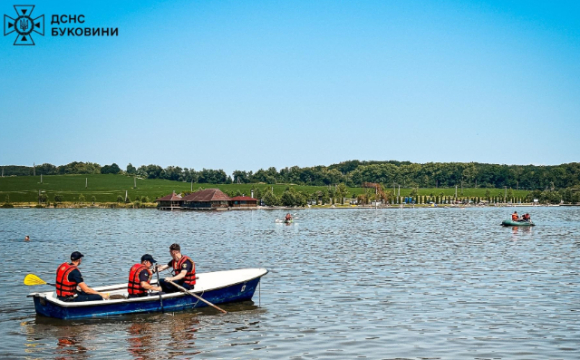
x: 140, y: 278
x: 69, y: 280
x: 183, y: 271
x: 515, y: 216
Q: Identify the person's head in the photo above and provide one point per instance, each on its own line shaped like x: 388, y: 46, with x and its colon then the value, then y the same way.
x: 175, y: 250
x: 147, y: 260
x: 515, y: 212
x: 27, y: 238
x: 76, y: 257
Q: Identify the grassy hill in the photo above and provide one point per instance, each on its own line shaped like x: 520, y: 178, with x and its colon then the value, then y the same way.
x: 106, y: 188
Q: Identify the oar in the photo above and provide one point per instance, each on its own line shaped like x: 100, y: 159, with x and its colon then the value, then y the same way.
x: 159, y: 284
x: 32, y: 279
x: 196, y: 296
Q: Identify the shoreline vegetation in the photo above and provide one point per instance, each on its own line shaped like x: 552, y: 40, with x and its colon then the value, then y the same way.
x: 153, y: 206
x: 80, y: 184
x: 122, y: 191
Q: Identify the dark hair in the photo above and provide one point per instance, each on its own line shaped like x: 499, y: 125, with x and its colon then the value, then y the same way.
x: 175, y: 247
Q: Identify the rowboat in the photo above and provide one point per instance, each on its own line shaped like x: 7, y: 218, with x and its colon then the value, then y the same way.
x: 216, y: 287
x: 517, y: 223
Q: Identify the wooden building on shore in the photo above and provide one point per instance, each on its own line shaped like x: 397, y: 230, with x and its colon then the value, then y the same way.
x: 170, y: 202
x: 208, y: 199
x: 243, y: 202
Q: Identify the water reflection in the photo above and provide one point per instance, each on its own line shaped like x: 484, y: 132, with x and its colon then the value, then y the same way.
x: 70, y: 346
x: 140, y: 339
x: 182, y: 332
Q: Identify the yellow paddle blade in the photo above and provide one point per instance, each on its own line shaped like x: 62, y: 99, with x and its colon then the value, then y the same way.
x: 32, y: 279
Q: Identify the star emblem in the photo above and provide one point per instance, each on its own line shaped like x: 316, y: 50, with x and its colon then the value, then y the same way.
x: 24, y: 25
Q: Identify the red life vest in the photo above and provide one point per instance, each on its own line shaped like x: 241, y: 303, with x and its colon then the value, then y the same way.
x: 134, y: 287
x: 514, y: 217
x: 64, y: 287
x: 177, y: 267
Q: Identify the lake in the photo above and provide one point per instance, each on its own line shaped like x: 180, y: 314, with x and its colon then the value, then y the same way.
x: 379, y: 284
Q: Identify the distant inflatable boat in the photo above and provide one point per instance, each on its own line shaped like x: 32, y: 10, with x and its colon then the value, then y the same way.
x: 517, y: 223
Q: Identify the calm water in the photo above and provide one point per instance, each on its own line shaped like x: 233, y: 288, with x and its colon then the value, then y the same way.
x: 377, y: 284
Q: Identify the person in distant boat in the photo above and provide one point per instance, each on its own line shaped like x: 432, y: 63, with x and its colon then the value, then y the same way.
x: 526, y: 217
x: 140, y: 278
x: 27, y: 238
x: 183, y: 271
x: 288, y: 217
x: 69, y: 280
x: 515, y: 216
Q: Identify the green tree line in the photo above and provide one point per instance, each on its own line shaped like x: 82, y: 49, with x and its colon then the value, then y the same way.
x: 352, y: 173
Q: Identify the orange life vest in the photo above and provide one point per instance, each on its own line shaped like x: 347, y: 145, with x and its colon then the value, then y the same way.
x: 514, y: 217
x: 134, y: 287
x: 177, y: 267
x: 64, y: 287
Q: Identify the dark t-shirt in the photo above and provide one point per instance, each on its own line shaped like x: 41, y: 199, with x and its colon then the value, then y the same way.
x: 75, y: 276
x: 144, y: 276
x: 185, y: 266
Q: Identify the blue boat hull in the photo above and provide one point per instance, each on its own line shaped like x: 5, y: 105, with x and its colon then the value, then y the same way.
x: 237, y: 292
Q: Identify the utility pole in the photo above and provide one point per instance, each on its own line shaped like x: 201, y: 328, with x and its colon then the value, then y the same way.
x: 33, y: 169
x: 191, y: 185
x: 126, y: 195
x: 86, y: 183
x: 456, y: 191
x: 135, y: 182
x: 504, y: 193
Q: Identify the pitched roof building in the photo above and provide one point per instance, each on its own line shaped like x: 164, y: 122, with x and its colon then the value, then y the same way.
x: 170, y: 202
x: 208, y: 199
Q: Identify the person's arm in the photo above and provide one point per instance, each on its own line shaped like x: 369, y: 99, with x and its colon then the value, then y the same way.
x: 184, y: 270
x: 163, y: 267
x: 77, y: 277
x: 179, y: 276
x: 160, y: 268
x: 145, y: 285
x: 88, y: 290
x: 144, y: 279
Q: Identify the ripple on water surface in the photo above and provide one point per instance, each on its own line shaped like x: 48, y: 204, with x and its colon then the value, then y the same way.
x: 393, y: 283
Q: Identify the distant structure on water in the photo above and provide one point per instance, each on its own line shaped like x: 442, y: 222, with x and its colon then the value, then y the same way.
x: 208, y: 199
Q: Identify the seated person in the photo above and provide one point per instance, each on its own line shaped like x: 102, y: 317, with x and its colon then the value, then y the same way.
x: 69, y: 279
x: 526, y: 217
x: 288, y: 217
x: 515, y: 216
x: 140, y: 278
x: 183, y: 271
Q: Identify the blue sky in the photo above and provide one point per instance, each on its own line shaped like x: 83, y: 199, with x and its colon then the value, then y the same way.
x: 253, y: 84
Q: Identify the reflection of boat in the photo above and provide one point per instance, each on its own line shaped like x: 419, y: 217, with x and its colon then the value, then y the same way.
x: 517, y: 223
x: 216, y: 287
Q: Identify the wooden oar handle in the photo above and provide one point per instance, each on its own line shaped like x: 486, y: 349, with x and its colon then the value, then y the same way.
x: 196, y: 296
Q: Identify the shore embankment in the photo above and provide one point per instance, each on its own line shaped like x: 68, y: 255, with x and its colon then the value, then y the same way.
x: 66, y: 205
